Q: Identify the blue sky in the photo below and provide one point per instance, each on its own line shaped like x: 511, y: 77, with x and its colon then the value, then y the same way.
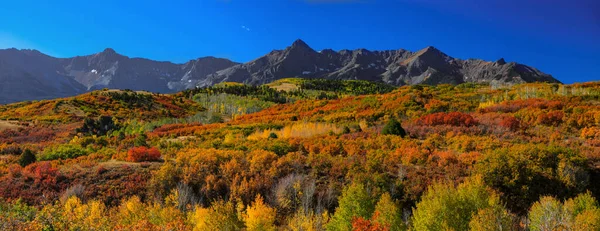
x: 561, y: 38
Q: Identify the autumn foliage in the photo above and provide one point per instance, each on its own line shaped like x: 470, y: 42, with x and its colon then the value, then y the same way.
x: 474, y: 157
x: 362, y: 224
x: 553, y: 118
x: 451, y: 118
x: 510, y: 123
x: 141, y: 154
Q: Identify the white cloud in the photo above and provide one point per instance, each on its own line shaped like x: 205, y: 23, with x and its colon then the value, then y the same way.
x: 245, y: 28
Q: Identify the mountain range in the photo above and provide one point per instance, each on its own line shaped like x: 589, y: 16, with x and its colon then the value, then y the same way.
x: 32, y: 75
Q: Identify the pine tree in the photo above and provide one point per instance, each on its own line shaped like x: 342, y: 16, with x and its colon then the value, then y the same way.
x: 393, y: 127
x: 272, y: 135
x: 346, y: 130
x: 27, y: 157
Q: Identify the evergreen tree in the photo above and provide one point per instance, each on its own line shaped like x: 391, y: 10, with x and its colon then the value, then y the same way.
x: 99, y: 127
x: 272, y: 135
x: 393, y: 127
x: 346, y: 130
x: 27, y: 157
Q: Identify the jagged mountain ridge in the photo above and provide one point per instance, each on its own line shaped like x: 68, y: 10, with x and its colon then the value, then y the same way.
x: 398, y: 67
x: 32, y: 75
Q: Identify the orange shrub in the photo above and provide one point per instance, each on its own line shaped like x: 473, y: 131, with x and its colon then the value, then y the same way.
x: 590, y: 133
x: 451, y: 118
x: 511, y: 123
x: 553, y: 118
x: 139, y: 154
x: 362, y: 224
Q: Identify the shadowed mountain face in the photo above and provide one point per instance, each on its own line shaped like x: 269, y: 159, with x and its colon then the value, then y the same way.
x: 31, y: 75
x: 398, y: 67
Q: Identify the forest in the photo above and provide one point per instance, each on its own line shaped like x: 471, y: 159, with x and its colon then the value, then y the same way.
x: 305, y: 154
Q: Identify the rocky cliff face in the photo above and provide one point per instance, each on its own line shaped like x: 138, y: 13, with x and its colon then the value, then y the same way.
x: 399, y: 67
x: 31, y: 75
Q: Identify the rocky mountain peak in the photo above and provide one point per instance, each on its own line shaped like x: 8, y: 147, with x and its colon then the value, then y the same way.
x: 109, y: 51
x: 107, y: 55
x: 299, y: 44
x: 501, y: 61
x: 431, y: 48
x: 327, y: 51
x: 431, y: 51
x: 430, y: 56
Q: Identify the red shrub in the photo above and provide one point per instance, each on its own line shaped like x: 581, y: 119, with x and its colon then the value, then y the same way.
x: 37, y: 183
x: 511, y: 123
x: 451, y: 118
x: 43, y: 173
x: 553, y: 118
x: 140, y: 154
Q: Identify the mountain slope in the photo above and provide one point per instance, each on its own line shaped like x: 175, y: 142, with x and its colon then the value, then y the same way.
x: 399, y: 67
x: 39, y: 82
x: 29, y: 74
x: 109, y: 69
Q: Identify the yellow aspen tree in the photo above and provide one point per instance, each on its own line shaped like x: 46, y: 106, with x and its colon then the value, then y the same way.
x: 259, y: 216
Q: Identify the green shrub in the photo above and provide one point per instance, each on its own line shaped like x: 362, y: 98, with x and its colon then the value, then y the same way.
x: 393, y: 127
x: 63, y: 152
x: 272, y: 135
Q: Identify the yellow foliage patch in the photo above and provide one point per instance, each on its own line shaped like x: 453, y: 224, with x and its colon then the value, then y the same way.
x: 298, y: 130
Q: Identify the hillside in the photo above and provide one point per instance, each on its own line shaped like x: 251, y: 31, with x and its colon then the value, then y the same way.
x: 303, y: 153
x: 32, y: 75
x: 116, y: 103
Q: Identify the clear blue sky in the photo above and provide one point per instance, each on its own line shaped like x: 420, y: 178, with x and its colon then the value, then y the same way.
x: 558, y: 37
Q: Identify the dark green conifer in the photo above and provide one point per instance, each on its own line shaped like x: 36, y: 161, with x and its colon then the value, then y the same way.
x: 27, y: 157
x: 393, y: 127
